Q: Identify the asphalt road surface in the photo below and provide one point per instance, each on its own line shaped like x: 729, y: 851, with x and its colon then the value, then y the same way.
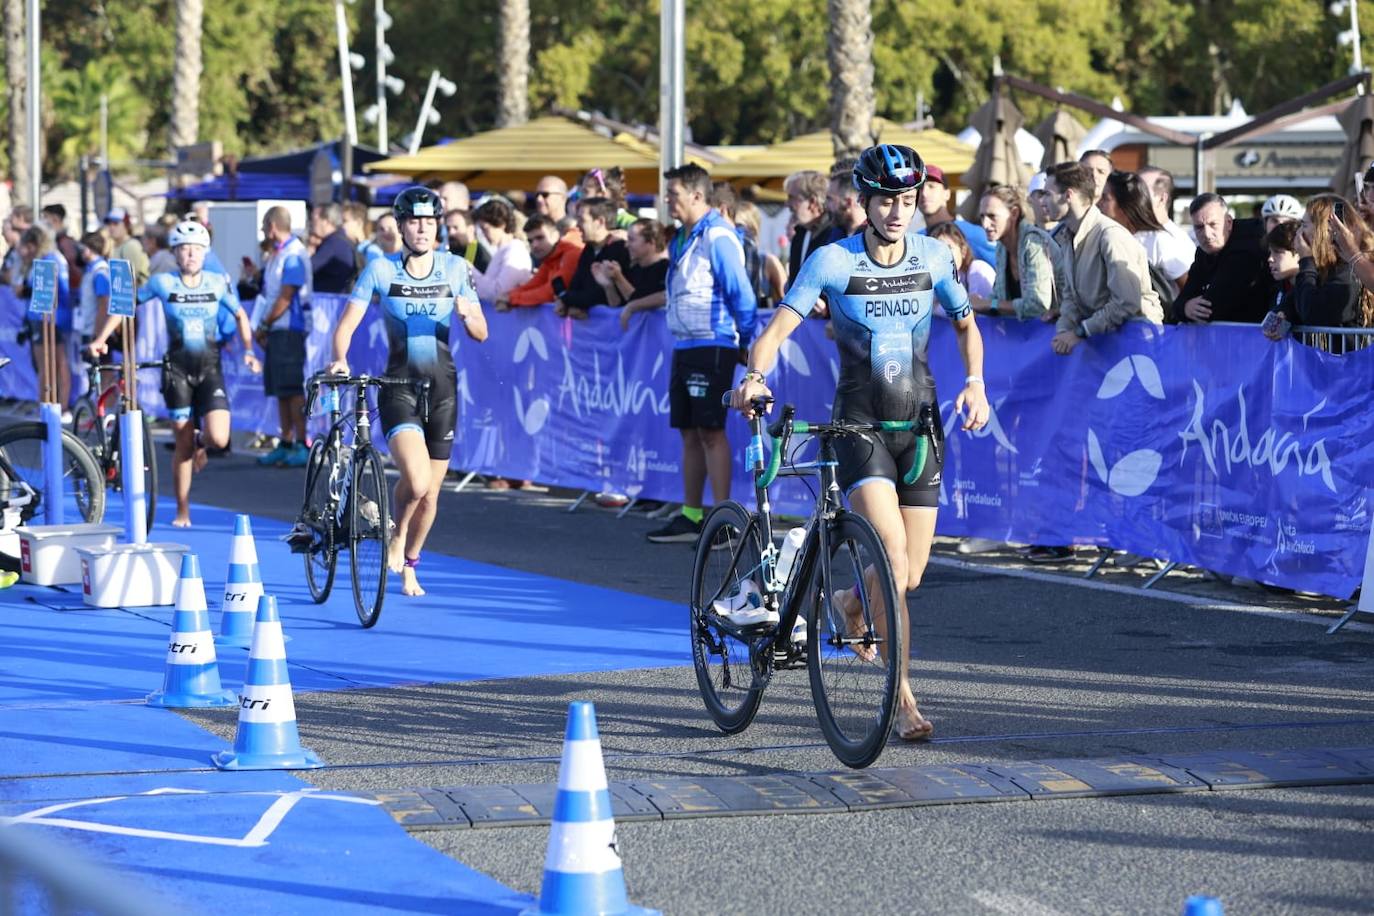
x: 1011, y: 666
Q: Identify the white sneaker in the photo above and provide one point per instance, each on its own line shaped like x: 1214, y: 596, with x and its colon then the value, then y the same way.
x: 977, y: 545
x: 799, y: 631
x: 745, y: 608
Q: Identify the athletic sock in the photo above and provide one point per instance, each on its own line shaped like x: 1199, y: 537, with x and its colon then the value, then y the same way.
x: 693, y: 513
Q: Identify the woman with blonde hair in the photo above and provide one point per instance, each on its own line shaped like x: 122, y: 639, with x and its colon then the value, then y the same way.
x: 1025, y: 285
x: 1328, y: 292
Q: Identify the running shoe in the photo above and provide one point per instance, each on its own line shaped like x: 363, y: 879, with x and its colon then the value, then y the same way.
x: 300, y: 537
x: 276, y: 457
x: 297, y: 457
x: 1042, y: 554
x: 745, y: 607
x: 681, y: 530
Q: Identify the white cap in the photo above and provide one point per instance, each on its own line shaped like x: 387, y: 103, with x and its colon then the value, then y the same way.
x: 1037, y: 183
x: 1281, y: 205
x: 116, y: 215
x: 188, y: 232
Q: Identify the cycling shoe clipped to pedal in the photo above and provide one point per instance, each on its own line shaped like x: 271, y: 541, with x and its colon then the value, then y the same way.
x: 300, y: 538
x: 745, y: 608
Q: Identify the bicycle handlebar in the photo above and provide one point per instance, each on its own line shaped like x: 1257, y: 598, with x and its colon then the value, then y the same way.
x: 363, y: 382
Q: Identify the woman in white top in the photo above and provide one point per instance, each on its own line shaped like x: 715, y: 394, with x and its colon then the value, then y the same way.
x: 1126, y: 199
x: 973, y: 275
x: 510, y: 257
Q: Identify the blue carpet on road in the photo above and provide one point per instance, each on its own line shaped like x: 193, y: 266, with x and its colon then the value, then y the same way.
x: 72, y: 727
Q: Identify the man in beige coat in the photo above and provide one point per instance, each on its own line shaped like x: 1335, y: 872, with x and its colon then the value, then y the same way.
x: 1105, y: 265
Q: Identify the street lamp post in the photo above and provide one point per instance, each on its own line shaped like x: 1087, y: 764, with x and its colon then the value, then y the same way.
x: 346, y: 67
x: 671, y: 108
x: 427, y: 113
x: 1352, y: 35
x: 384, y: 58
x: 34, y: 98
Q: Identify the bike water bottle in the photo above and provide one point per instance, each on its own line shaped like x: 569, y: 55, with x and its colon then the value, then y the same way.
x: 329, y: 399
x: 753, y: 455
x: 787, y: 554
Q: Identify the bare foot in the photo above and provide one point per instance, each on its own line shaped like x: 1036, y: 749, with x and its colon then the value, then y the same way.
x: 183, y: 520
x: 853, y: 612
x: 910, y: 724
x: 396, y: 554
x: 409, y: 584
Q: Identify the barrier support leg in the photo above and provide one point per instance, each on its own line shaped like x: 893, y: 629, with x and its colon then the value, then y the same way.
x: 131, y: 467
x: 467, y: 479
x: 1168, y: 568
x: 579, y: 501
x: 1102, y: 554
x: 627, y: 507
x: 53, y: 510
x: 1354, y: 609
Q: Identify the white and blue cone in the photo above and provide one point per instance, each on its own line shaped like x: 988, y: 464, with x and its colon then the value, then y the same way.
x: 192, y: 675
x: 267, y: 738
x: 242, y: 588
x: 582, y: 871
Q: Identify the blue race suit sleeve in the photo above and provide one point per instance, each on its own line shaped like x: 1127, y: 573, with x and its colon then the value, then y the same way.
x: 150, y: 290
x: 953, y: 296
x: 812, y: 280
x: 368, y: 283
x: 727, y: 267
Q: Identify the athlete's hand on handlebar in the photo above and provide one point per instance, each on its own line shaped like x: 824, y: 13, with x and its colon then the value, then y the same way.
x: 337, y: 367
x: 97, y: 348
x: 742, y: 398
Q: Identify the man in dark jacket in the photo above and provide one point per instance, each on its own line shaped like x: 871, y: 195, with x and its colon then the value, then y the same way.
x: 1229, y: 279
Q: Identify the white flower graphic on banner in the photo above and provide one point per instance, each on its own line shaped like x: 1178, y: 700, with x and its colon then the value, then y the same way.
x: 1136, y: 471
x: 532, y: 418
x: 795, y: 358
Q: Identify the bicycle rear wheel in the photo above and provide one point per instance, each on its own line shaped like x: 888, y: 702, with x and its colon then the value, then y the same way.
x: 319, y: 512
x: 89, y: 427
x: 115, y: 466
x: 83, y: 485
x: 728, y: 556
x: 369, y: 524
x: 854, y: 656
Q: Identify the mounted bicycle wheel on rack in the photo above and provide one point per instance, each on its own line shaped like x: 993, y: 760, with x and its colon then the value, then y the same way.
x: 368, y: 535
x: 83, y: 485
x: 322, y: 558
x: 855, y: 644
x: 89, y: 426
x: 727, y: 565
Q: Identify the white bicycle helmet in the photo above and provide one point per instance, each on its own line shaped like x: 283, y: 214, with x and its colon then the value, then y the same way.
x: 189, y: 232
x: 1281, y: 205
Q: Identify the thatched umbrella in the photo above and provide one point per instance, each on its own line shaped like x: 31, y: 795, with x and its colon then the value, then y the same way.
x: 1060, y: 134
x: 1358, y: 121
x: 997, y: 161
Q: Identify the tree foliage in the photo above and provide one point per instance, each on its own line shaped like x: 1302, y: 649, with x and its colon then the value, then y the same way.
x: 756, y: 70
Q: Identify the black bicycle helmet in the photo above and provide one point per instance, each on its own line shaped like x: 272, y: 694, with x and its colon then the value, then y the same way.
x: 418, y: 201
x: 889, y: 169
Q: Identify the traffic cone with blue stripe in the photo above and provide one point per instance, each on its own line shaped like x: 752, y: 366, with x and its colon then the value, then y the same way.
x: 242, y: 588
x: 582, y: 873
x: 192, y: 676
x: 267, y: 738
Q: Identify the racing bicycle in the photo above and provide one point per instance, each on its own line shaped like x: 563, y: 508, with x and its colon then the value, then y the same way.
x: 23, y: 484
x: 852, y: 658
x: 346, y: 505
x: 96, y: 420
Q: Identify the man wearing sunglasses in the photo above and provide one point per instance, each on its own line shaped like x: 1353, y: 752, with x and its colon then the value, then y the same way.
x: 551, y: 198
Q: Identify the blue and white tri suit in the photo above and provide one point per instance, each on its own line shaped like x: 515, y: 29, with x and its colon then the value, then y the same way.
x: 882, y: 318
x: 192, y: 381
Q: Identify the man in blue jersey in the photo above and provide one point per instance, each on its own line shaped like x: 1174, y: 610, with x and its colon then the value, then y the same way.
x: 192, y: 381
x: 882, y: 287
x: 281, y: 330
x: 712, y: 308
x: 421, y: 290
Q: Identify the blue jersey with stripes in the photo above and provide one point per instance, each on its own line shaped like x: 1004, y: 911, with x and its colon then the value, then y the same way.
x: 418, y: 311
x: 193, y: 313
x: 881, y: 316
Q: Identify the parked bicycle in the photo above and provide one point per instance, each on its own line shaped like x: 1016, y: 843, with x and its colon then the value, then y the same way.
x: 743, y: 611
x: 96, y: 421
x: 346, y: 502
x: 23, y: 484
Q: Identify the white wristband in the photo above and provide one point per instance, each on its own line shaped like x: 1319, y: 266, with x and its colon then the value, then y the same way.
x: 975, y: 380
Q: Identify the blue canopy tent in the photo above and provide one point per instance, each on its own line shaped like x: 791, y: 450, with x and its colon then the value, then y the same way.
x: 288, y: 176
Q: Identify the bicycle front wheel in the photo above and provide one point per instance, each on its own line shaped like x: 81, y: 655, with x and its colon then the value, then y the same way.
x: 856, y: 645
x: 83, y: 486
x: 319, y: 512
x: 89, y: 427
x: 369, y: 524
x: 115, y: 466
x: 727, y: 565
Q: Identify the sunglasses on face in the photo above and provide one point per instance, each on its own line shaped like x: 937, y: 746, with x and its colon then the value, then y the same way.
x: 548, y: 194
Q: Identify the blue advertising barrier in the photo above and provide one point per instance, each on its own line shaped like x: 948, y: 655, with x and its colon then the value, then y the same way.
x: 1206, y: 445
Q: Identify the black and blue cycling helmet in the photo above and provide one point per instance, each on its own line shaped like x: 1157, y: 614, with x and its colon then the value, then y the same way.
x: 417, y: 201
x: 889, y: 169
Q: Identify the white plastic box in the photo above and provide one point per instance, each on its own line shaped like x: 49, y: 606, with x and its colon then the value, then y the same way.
x: 47, y: 553
x: 130, y: 575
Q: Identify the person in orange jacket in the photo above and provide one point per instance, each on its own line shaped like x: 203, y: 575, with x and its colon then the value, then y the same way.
x: 557, y: 259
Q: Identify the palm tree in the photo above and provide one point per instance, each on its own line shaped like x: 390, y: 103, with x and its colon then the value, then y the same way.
x: 185, y: 127
x: 513, y: 105
x: 849, y: 49
x: 75, y: 96
x: 16, y: 82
